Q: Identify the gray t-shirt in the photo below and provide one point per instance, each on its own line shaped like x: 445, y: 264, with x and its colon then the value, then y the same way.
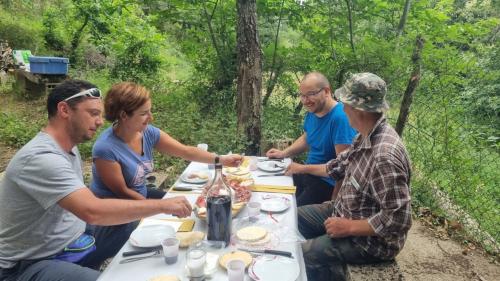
x: 32, y: 224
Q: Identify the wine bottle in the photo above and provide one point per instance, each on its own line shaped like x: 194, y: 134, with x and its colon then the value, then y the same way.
x: 219, y: 218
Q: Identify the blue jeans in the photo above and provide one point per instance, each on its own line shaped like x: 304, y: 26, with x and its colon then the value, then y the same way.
x: 109, y: 240
x: 48, y: 270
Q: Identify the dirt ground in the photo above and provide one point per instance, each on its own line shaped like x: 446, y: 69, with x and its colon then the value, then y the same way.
x: 425, y: 257
x: 428, y: 258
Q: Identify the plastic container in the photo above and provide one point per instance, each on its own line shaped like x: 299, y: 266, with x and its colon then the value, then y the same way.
x: 48, y: 65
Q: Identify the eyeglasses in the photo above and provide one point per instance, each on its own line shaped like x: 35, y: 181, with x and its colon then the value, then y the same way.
x: 310, y: 94
x: 91, y: 93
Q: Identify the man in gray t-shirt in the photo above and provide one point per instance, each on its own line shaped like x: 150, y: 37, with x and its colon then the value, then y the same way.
x: 32, y: 224
x: 44, y: 204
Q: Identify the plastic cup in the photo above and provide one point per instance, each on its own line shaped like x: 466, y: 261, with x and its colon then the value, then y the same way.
x: 235, y: 270
x: 253, y: 210
x: 253, y: 163
x: 170, y: 250
x: 202, y: 146
x: 196, y: 259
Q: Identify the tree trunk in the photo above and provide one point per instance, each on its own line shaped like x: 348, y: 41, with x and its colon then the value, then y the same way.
x: 248, y: 102
x: 274, y: 74
x: 214, y: 40
x: 75, y: 40
x: 349, y: 16
x: 402, y: 21
x: 412, y: 85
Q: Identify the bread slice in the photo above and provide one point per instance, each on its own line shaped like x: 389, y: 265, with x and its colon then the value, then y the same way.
x: 235, y: 255
x: 260, y: 242
x: 251, y: 233
x: 189, y: 238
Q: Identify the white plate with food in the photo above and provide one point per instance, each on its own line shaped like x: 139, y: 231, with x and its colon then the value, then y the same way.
x: 275, y: 204
x: 150, y: 235
x: 196, y: 177
x: 264, y: 268
x: 271, y: 166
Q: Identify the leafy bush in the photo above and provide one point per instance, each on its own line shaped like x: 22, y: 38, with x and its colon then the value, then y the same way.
x: 21, y: 32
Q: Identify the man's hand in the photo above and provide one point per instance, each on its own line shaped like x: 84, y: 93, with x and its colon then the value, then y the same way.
x: 178, y: 206
x: 294, y: 168
x: 231, y: 160
x: 338, y: 227
x: 275, y: 153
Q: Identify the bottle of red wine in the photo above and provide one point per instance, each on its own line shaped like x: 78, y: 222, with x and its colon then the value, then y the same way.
x: 219, y: 208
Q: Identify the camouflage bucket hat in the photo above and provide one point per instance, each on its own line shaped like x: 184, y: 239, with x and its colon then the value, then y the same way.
x: 364, y: 91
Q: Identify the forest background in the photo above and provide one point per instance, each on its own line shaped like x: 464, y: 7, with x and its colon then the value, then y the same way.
x: 185, y: 53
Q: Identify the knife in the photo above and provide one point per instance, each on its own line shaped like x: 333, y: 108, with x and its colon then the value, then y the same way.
x: 271, y: 159
x: 141, y: 251
x: 182, y: 188
x: 272, y: 175
x: 270, y: 252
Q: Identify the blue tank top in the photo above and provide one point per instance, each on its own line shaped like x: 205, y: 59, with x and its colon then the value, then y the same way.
x: 134, y: 167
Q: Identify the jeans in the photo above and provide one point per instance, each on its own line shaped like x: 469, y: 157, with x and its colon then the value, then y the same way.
x: 311, y: 189
x: 326, y: 258
x: 108, y: 239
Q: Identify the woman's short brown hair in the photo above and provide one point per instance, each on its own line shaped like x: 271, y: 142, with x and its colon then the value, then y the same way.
x: 126, y: 97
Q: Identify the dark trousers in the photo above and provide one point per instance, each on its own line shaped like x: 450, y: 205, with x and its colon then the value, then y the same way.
x: 325, y: 258
x: 311, y: 189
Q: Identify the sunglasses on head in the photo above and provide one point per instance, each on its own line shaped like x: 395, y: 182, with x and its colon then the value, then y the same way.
x: 91, y: 93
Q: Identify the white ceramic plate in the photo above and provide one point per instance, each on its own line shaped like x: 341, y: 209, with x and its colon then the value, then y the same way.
x: 151, y: 235
x: 265, y: 269
x: 195, y: 177
x: 275, y: 205
x: 271, y: 166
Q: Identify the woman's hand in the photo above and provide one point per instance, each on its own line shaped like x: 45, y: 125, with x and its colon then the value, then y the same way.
x: 231, y: 160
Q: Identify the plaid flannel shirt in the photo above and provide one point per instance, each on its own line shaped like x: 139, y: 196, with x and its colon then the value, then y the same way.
x: 376, y: 173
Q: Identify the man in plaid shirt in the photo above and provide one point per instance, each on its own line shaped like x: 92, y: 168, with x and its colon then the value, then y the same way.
x: 369, y: 218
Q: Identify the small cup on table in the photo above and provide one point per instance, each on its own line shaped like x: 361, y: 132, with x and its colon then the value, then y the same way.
x: 253, y: 163
x: 196, y: 259
x: 235, y: 270
x: 202, y: 146
x: 253, y: 211
x: 170, y: 250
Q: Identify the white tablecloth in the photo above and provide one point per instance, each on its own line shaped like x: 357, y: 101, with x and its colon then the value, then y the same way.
x: 151, y: 267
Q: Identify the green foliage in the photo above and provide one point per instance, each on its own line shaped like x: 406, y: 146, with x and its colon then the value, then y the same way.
x: 14, y: 132
x: 20, y: 32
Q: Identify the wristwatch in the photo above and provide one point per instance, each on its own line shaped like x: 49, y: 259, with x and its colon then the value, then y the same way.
x: 217, y: 159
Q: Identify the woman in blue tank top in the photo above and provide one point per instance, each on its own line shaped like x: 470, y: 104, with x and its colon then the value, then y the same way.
x: 123, y: 153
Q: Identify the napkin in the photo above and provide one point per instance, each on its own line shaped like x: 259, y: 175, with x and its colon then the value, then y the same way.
x: 274, y: 188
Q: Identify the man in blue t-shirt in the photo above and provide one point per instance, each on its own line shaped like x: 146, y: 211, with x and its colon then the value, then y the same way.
x: 326, y: 133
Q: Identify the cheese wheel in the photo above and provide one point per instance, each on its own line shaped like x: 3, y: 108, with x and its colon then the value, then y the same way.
x: 251, y: 233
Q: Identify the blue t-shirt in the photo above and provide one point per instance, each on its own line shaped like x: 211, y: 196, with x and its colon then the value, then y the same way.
x: 323, y: 133
x: 134, y: 167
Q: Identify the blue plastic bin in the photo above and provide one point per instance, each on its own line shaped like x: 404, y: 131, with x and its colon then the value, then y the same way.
x: 48, y: 65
